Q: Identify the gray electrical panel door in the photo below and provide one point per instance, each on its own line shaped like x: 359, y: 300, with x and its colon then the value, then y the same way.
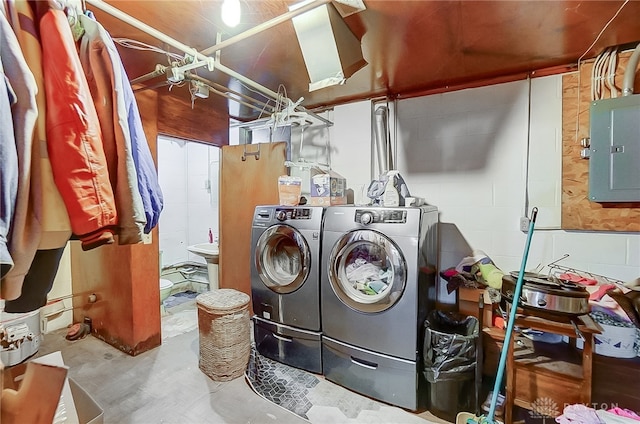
x: 614, y: 163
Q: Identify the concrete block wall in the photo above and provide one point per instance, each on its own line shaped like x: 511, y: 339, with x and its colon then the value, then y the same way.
x: 485, y: 157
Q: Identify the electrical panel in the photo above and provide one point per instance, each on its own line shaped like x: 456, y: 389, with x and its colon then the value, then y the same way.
x: 614, y: 162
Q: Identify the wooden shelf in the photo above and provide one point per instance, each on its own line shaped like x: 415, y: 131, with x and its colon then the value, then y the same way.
x: 609, y: 376
x: 549, y: 373
x: 554, y: 360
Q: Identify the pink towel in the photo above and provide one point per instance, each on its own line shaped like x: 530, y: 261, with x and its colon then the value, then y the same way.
x: 625, y: 413
x: 602, y: 290
x: 574, y: 278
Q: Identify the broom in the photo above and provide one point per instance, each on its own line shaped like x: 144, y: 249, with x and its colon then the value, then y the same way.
x: 467, y: 417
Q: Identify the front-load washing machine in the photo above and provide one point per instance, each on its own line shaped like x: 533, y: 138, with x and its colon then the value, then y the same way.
x: 285, y: 284
x: 377, y: 286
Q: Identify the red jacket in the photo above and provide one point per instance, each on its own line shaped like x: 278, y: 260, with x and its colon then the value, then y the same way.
x: 74, y: 138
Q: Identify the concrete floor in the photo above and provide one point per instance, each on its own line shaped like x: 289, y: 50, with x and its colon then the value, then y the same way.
x: 163, y: 385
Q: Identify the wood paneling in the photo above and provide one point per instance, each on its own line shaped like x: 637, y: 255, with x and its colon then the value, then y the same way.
x: 200, y: 121
x: 410, y: 46
x: 578, y: 213
x: 616, y: 382
x: 243, y: 186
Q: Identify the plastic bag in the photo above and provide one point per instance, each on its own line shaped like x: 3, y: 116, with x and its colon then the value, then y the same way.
x: 449, y: 351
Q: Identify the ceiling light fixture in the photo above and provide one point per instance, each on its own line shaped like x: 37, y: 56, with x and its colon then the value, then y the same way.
x: 231, y: 12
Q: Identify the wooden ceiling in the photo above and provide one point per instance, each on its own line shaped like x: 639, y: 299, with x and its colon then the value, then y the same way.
x: 411, y: 46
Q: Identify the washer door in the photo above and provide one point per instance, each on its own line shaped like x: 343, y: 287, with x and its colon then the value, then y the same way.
x: 367, y: 271
x: 282, y: 259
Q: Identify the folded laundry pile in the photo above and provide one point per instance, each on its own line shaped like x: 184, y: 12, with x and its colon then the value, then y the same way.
x: 456, y: 279
x: 475, y: 271
x: 581, y: 414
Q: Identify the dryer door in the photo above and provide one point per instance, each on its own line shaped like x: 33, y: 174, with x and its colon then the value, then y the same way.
x: 282, y: 259
x: 367, y: 271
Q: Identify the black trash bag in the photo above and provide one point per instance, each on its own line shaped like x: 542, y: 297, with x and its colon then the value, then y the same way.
x: 449, y: 351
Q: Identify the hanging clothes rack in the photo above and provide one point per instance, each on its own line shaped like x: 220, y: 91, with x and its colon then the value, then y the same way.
x: 194, y: 58
x: 555, y: 270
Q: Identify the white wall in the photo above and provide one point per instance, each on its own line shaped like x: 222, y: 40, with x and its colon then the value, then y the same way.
x: 188, y: 174
x: 351, y: 148
x: 466, y: 153
x: 61, y: 288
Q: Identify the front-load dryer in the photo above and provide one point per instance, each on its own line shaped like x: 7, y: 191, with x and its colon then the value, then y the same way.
x: 285, y: 284
x: 377, y: 286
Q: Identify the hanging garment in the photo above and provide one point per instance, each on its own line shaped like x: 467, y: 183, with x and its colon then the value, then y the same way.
x: 54, y: 220
x: 73, y: 137
x: 8, y: 171
x: 101, y: 63
x: 39, y: 281
x: 24, y: 236
x: 148, y: 183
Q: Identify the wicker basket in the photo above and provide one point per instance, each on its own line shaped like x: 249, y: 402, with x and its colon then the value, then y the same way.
x: 225, y: 333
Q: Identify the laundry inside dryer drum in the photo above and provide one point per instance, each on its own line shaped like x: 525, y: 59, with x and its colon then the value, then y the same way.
x: 283, y: 262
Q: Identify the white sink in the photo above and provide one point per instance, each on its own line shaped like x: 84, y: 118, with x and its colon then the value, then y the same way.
x: 209, y: 251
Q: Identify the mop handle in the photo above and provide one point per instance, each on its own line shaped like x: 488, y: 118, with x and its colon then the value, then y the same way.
x: 512, y: 318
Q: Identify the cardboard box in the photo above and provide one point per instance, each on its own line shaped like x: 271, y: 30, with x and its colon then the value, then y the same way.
x: 289, y: 190
x: 468, y: 302
x: 89, y: 412
x: 327, y: 188
x: 78, y: 405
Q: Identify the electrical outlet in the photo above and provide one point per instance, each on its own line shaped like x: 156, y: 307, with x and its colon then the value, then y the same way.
x: 524, y: 224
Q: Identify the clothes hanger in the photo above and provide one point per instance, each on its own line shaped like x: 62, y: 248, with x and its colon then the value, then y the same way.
x: 72, y: 9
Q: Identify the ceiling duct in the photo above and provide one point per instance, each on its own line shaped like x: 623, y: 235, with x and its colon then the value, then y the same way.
x: 331, y: 52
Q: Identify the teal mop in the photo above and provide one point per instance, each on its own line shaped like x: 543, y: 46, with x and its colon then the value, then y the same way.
x: 466, y: 417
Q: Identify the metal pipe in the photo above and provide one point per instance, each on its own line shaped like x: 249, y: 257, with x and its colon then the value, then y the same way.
x: 630, y: 72
x: 160, y: 70
x: 236, y: 38
x: 178, y: 45
x: 228, y: 96
x: 90, y: 299
x: 117, y: 13
x: 315, y: 115
x: 226, y: 92
x: 202, y: 56
x: 263, y: 90
x: 381, y: 138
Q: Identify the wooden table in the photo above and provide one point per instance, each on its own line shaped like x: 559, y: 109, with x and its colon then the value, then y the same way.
x: 544, y: 377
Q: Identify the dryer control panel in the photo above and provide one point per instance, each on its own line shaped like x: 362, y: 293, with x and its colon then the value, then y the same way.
x: 380, y: 216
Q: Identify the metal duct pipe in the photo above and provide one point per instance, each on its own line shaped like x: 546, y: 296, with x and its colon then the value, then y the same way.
x: 381, y: 134
x: 630, y: 72
x: 331, y: 51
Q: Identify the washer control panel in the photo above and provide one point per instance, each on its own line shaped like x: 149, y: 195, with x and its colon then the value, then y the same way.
x: 283, y: 214
x: 380, y: 216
